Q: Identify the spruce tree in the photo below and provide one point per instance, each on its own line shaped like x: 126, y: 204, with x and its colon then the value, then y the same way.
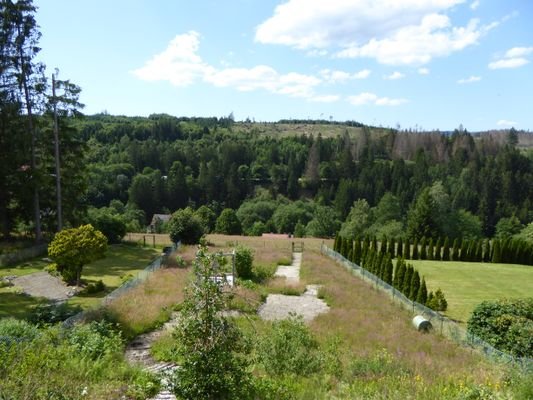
x: 422, y: 295
x: 399, y: 273
x: 438, y: 251
x: 423, y: 251
x: 415, y: 249
x: 446, y: 250
x: 429, y: 301
x: 378, y: 264
x: 415, y: 285
x: 431, y: 250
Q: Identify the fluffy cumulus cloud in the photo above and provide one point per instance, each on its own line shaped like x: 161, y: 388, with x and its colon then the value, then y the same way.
x: 513, y: 58
x: 392, y: 32
x: 470, y: 79
x: 181, y: 65
x: 423, y: 71
x: 367, y: 98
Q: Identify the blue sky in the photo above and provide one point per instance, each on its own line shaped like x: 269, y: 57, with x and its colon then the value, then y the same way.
x: 427, y: 64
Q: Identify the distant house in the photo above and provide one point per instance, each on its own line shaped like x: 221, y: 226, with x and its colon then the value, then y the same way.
x: 157, y: 221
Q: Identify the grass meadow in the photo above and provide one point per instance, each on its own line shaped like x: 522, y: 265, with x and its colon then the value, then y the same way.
x: 466, y: 284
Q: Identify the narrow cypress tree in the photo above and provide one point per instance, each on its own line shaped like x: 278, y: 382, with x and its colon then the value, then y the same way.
x: 399, y: 273
x: 375, y: 243
x: 446, y: 250
x: 383, y: 245
x: 343, y: 248
x: 431, y: 296
x: 336, y: 243
x: 422, y: 295
x: 365, y: 248
x: 496, y: 254
x: 464, y: 250
x: 438, y: 251
x: 415, y: 249
x: 415, y: 285
x: 388, y: 269
x: 399, y: 249
x: 479, y: 251
x: 431, y: 250
x: 406, y: 285
x: 357, y: 251
x: 423, y: 251
x: 471, y: 250
x: 407, y: 249
x: 392, y: 248
x: 487, y: 251
x: 455, y: 256
x: 349, y: 254
x: 378, y: 264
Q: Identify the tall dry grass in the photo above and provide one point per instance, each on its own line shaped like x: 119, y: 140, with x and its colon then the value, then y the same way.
x: 149, y: 304
x: 367, y: 322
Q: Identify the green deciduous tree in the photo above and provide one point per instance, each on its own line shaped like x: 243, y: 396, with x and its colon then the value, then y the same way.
x: 228, y: 223
x: 185, y: 227
x: 73, y: 248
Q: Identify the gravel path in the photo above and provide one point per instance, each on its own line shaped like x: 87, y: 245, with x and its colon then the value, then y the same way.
x: 279, y: 306
x: 42, y: 284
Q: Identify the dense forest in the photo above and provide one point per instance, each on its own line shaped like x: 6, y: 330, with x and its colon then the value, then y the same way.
x: 59, y: 168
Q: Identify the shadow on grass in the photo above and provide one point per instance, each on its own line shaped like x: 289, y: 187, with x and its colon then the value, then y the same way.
x: 18, y: 305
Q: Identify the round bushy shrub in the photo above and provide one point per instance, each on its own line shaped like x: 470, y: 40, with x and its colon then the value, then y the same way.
x: 185, y: 227
x: 505, y: 324
x: 12, y: 329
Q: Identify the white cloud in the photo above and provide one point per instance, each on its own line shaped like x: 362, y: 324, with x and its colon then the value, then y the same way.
x: 475, y: 4
x: 508, y: 63
x: 363, y: 74
x: 181, y: 65
x: 513, y: 58
x: 504, y: 122
x: 423, y: 71
x: 471, y: 79
x: 393, y: 32
x: 517, y: 52
x: 395, y: 75
x: 418, y: 44
x: 371, y: 98
x: 335, y: 76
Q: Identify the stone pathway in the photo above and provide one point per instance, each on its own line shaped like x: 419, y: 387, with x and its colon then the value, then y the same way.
x: 138, y: 352
x: 42, y: 284
x: 278, y: 306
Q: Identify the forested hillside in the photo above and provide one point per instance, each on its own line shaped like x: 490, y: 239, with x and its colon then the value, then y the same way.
x: 161, y: 163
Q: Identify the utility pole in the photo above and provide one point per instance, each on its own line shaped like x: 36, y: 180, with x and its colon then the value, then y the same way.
x: 56, y: 153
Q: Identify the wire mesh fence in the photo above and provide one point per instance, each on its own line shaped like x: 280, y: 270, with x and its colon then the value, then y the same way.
x: 440, y: 323
x: 129, y: 284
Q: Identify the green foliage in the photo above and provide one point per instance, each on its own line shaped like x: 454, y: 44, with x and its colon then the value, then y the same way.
x: 300, y: 230
x: 508, y: 227
x: 415, y: 250
x: 505, y: 324
x: 415, y: 285
x: 436, y: 301
x: 72, y: 248
x: 422, y: 295
x: 358, y: 219
x: 12, y: 329
x: 324, y: 223
x: 446, y: 250
x: 110, y: 224
x: 210, y: 347
x: 95, y: 340
x: 423, y: 249
x: 244, y: 259
x: 94, y: 287
x: 207, y: 217
x: 185, y: 226
x: 228, y: 223
x: 47, y: 313
x: 289, y: 349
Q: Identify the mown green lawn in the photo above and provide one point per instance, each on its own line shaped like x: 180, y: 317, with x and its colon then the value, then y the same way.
x: 121, y: 260
x: 466, y: 284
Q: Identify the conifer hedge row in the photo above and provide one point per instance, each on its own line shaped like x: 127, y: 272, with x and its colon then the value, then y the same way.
x: 404, y: 278
x: 507, y: 251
